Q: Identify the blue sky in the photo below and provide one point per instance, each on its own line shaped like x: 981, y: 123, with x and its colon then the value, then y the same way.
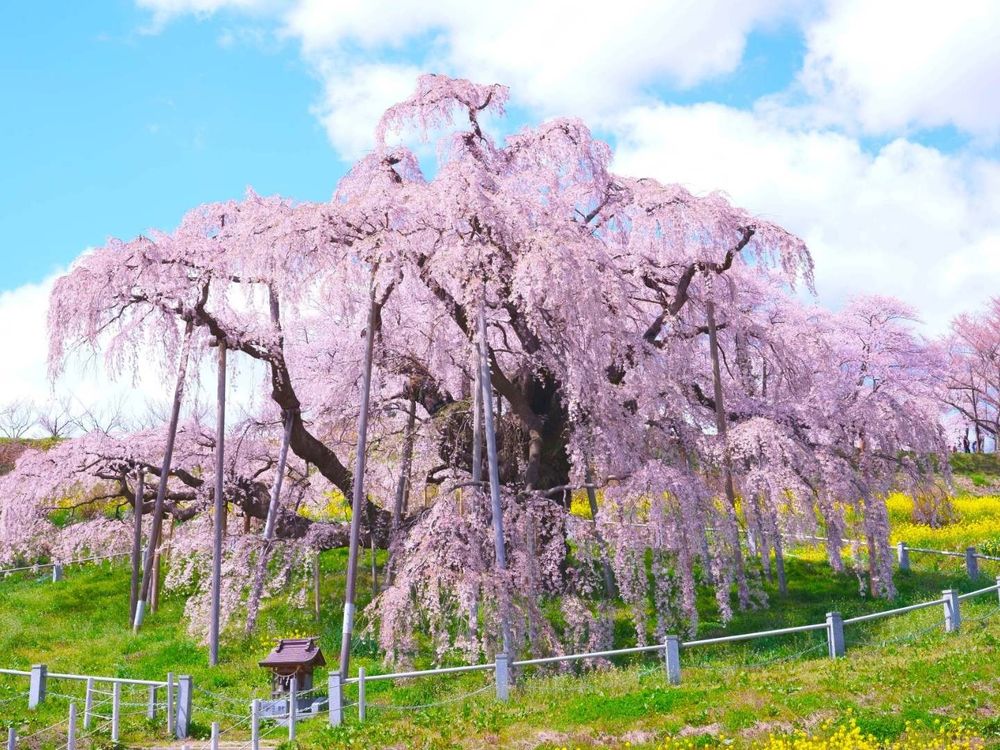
x: 114, y: 129
x: 111, y: 131
x: 870, y: 129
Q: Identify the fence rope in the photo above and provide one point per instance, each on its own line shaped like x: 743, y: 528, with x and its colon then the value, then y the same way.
x: 443, y: 702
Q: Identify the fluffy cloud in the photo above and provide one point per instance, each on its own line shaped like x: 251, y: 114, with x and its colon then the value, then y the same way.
x: 897, y: 64
x: 579, y: 57
x: 905, y: 219
x: 84, y: 385
x: 355, y: 97
x: 908, y: 221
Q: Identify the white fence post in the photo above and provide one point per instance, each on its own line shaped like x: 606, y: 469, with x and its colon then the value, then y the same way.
x: 11, y: 738
x: 151, y: 705
x: 215, y: 735
x: 672, y: 659
x: 335, y: 699
x: 182, y: 727
x: 502, y: 670
x: 255, y: 724
x: 998, y: 587
x: 116, y: 709
x: 971, y: 563
x: 362, y: 708
x: 71, y: 738
x: 57, y: 572
x: 293, y: 707
x: 88, y: 703
x: 36, y: 686
x: 170, y: 703
x: 952, y: 614
x: 903, y: 555
x: 835, y: 634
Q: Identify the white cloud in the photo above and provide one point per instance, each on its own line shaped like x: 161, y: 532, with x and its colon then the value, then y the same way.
x: 891, y: 65
x: 578, y: 58
x: 165, y: 11
x: 355, y: 97
x: 84, y: 384
x: 907, y: 221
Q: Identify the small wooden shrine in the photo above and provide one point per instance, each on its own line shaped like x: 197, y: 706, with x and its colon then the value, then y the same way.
x: 293, y: 656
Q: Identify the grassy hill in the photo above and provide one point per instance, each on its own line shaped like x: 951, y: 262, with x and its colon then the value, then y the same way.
x: 903, y: 679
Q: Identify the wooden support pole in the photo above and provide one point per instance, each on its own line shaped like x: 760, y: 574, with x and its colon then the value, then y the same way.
x: 133, y: 599
x: 272, y: 506
x: 161, y: 491
x: 357, y: 501
x: 494, y: 472
x: 316, y: 581
x: 220, y: 509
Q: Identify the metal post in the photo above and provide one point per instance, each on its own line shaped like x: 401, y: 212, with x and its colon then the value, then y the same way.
x: 182, y: 727
x: 151, y: 705
x: 11, y: 738
x: 170, y: 703
x: 71, y: 738
x: 36, y: 686
x: 220, y: 509
x: 952, y: 614
x: 293, y: 707
x: 362, y: 707
x: 835, y: 634
x: 57, y: 572
x: 335, y: 699
x: 502, y: 670
x: 88, y: 703
x: 255, y: 724
x: 672, y: 659
x: 358, y: 490
x: 215, y: 735
x: 998, y: 587
x: 903, y: 555
x: 491, y: 454
x: 116, y: 709
x: 971, y: 563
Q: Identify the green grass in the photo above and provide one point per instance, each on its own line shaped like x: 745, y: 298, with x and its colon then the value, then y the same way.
x: 742, y: 691
x: 976, y: 464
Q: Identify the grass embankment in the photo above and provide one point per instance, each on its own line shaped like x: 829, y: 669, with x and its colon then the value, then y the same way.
x: 903, y: 679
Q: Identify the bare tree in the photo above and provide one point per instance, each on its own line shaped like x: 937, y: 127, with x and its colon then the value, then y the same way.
x: 107, y: 417
x: 56, y: 418
x: 16, y: 418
